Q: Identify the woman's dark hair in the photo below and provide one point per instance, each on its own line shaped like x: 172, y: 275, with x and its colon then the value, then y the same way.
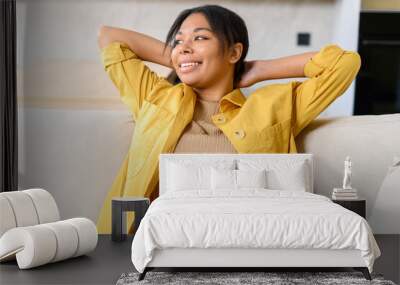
x: 226, y: 24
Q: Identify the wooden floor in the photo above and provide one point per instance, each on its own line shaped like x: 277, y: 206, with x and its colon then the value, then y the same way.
x: 110, y: 259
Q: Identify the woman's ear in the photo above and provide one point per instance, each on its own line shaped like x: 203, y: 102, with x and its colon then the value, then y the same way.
x: 235, y: 53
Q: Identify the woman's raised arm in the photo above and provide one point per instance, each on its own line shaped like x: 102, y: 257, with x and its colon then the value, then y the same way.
x: 330, y: 71
x: 145, y: 47
x: 122, y: 54
x: 283, y: 67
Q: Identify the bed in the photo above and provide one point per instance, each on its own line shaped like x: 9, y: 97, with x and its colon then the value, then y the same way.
x: 247, y: 210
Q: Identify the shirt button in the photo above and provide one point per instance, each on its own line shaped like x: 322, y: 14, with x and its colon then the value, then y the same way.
x: 240, y: 134
x: 221, y: 119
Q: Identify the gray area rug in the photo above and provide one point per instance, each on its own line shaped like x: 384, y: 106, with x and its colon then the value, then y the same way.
x: 230, y: 278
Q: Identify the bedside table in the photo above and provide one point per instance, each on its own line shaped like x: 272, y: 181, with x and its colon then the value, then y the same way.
x: 121, y: 205
x: 358, y: 206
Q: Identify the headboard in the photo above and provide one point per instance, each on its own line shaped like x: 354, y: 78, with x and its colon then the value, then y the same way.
x: 207, y: 158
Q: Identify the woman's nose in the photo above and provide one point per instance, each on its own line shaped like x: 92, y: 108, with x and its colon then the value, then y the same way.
x: 186, y: 47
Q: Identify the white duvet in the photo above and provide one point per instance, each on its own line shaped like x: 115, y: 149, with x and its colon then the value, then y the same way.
x: 250, y: 218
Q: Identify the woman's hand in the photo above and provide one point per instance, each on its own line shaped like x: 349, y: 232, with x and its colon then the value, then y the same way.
x: 251, y: 74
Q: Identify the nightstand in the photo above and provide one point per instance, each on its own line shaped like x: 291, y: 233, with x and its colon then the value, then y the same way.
x: 358, y: 206
x: 119, y: 206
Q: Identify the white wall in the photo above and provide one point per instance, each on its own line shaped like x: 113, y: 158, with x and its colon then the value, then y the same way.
x: 74, y: 130
x: 345, y: 34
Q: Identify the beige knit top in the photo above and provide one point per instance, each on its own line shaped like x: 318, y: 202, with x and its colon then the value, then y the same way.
x: 201, y: 135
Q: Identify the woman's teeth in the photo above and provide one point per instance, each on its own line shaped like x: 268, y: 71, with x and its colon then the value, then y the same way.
x: 189, y: 66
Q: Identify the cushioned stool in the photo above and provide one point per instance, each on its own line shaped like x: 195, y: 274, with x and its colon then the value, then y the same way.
x: 32, y: 233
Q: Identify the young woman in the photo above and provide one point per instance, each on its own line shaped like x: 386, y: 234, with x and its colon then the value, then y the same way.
x: 207, y: 112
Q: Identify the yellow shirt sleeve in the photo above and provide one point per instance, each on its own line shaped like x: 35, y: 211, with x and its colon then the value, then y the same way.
x: 330, y: 73
x: 130, y: 75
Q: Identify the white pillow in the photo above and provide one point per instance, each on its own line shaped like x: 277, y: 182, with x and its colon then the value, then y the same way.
x: 251, y: 178
x: 187, y: 175
x: 281, y: 174
x: 236, y: 179
x: 223, y: 179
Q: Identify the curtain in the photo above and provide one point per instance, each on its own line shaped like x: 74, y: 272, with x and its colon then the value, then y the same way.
x: 8, y: 97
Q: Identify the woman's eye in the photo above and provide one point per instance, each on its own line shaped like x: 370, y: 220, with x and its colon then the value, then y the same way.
x: 175, y: 42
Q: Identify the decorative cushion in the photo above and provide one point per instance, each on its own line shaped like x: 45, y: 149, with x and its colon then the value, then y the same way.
x: 236, y: 179
x: 281, y: 174
x: 223, y: 179
x: 251, y: 178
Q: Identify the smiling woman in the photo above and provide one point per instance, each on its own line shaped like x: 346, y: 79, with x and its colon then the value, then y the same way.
x: 207, y: 112
x: 209, y: 45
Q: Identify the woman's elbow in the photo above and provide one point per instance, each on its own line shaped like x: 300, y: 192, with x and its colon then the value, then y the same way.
x: 350, y: 65
x: 355, y: 61
x: 103, y: 38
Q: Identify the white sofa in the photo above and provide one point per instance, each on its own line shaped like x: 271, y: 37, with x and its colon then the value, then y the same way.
x: 373, y: 142
x: 31, y: 231
x: 330, y: 139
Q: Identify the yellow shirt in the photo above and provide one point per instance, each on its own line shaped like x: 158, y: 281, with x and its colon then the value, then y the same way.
x: 266, y: 122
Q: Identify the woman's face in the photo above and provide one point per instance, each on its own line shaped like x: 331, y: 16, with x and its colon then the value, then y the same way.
x: 196, y: 57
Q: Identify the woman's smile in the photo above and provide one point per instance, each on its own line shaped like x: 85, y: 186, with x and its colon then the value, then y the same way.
x: 189, y: 67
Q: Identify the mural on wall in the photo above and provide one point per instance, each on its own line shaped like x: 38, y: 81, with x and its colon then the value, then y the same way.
x: 70, y: 108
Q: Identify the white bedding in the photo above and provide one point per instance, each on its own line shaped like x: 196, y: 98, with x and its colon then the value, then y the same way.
x: 250, y: 218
